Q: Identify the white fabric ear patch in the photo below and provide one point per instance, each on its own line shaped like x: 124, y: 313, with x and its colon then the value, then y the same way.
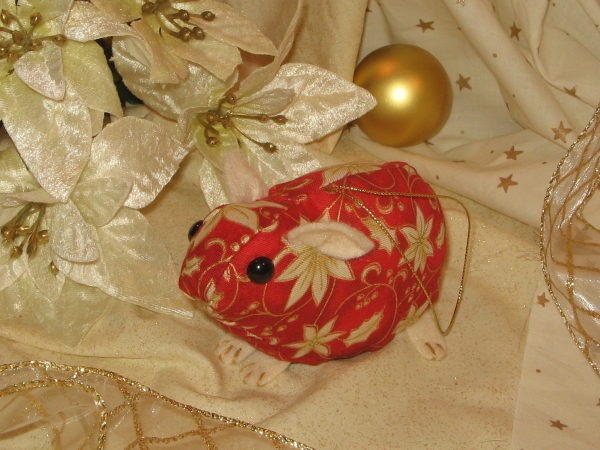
x: 335, y: 239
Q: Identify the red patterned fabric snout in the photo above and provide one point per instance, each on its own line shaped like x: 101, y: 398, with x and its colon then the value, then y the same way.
x: 328, y: 266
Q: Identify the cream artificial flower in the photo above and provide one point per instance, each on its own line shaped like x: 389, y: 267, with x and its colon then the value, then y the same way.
x: 141, y: 65
x: 96, y: 238
x: 419, y: 245
x: 271, y: 122
x: 202, y: 32
x: 53, y: 91
x: 171, y: 54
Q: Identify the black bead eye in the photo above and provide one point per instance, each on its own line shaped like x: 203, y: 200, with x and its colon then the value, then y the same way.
x: 260, y: 270
x: 194, y: 229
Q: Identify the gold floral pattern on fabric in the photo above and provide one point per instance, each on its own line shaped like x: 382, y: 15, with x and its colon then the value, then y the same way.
x: 570, y: 241
x: 352, y: 253
x: 47, y: 405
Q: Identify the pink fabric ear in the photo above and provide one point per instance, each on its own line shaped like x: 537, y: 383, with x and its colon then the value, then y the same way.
x: 242, y: 183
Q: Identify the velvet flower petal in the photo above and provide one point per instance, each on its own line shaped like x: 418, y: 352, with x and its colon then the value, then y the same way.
x: 54, y: 93
x: 301, y: 104
x: 134, y: 63
x: 198, y: 32
x: 94, y: 239
x: 56, y: 155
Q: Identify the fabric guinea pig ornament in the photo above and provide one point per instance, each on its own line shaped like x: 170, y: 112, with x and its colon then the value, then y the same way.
x: 327, y: 266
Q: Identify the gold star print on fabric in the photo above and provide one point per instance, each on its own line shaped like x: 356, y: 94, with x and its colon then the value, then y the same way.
x: 512, y: 153
x: 463, y: 82
x: 557, y: 424
x: 561, y: 132
x: 460, y: 2
x: 572, y: 92
x: 507, y: 182
x: 514, y: 31
x: 542, y: 300
x: 425, y: 25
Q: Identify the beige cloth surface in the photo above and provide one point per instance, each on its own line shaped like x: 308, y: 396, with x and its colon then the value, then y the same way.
x: 558, y: 395
x: 389, y: 399
x: 393, y: 398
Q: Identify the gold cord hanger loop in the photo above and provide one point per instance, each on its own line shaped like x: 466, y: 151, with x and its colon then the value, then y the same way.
x: 343, y: 190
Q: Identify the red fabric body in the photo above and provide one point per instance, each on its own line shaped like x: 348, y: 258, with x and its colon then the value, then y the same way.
x: 315, y: 309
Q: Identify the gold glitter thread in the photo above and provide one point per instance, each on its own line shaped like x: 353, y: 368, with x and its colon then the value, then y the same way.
x: 342, y: 189
x: 565, y: 219
x: 26, y: 387
x: 76, y: 377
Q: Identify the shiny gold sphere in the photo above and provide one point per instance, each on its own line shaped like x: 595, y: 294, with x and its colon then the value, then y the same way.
x: 413, y: 93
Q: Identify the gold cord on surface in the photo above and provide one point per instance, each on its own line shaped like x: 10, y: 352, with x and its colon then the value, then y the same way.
x: 343, y: 191
x: 123, y: 408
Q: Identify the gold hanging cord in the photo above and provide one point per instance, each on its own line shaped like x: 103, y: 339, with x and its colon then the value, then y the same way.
x: 343, y: 191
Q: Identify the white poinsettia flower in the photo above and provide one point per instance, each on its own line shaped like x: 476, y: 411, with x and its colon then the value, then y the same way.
x: 53, y: 93
x: 271, y: 123
x: 142, y: 65
x: 174, y: 34
x: 96, y: 238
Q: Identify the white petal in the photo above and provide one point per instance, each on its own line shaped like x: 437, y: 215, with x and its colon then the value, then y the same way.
x: 9, y: 5
x: 215, y: 56
x: 231, y: 27
x: 324, y: 102
x: 42, y: 71
x: 90, y: 77
x: 269, y: 102
x: 77, y: 308
x: 36, y: 196
x: 99, y: 200
x: 97, y: 119
x: 260, y: 77
x: 200, y: 88
x: 212, y: 185
x: 38, y: 268
x: 87, y: 23
x: 290, y: 161
x: 11, y: 303
x: 55, y: 157
x: 10, y: 270
x: 15, y: 176
x: 71, y: 237
x: 25, y: 103
x: 52, y: 9
x: 120, y: 10
x: 139, y: 150
x: 165, y: 66
x: 135, y: 266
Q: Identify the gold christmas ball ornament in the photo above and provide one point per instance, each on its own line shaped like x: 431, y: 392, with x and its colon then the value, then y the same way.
x: 413, y: 93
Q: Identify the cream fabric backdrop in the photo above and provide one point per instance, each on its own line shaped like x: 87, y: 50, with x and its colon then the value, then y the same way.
x: 516, y: 111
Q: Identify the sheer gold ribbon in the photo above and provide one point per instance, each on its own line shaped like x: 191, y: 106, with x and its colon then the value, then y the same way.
x: 570, y: 241
x: 47, y: 405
